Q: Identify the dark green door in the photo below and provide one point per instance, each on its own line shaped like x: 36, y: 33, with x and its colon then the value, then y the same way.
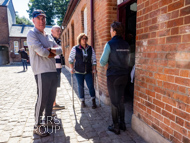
x: 4, y: 55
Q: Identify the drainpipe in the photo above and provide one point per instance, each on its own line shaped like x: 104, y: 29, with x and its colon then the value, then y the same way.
x: 92, y: 22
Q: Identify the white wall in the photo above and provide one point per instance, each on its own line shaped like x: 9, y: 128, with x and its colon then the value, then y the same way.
x: 85, y: 21
x: 120, y: 1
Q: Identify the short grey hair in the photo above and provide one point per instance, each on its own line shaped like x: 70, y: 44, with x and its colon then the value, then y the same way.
x: 56, y: 26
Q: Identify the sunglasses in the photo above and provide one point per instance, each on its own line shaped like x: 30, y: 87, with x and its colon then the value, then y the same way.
x: 84, y: 39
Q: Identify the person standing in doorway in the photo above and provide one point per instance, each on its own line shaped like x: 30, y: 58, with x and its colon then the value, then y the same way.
x: 116, y: 54
x: 85, y: 64
x: 56, y: 33
x: 24, y: 57
x: 43, y: 49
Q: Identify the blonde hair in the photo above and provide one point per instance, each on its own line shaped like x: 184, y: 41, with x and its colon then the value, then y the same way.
x: 80, y: 37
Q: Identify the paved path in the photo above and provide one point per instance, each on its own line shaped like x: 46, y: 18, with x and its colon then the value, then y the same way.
x: 18, y: 97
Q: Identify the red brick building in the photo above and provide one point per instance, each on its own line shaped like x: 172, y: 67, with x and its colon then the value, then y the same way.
x: 159, y: 31
x: 17, y: 40
x: 7, y: 18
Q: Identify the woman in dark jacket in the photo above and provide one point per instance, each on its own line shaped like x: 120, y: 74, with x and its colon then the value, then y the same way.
x: 84, y: 58
x: 116, y: 54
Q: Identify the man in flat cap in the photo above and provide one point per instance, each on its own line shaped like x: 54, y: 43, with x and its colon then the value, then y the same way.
x: 42, y: 50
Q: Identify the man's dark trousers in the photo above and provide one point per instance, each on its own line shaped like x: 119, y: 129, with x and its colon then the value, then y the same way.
x: 46, y: 90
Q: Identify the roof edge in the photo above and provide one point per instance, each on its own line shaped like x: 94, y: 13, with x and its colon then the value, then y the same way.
x: 70, y: 10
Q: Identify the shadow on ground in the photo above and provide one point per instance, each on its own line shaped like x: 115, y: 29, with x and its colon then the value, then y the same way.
x: 57, y: 135
x: 92, y: 124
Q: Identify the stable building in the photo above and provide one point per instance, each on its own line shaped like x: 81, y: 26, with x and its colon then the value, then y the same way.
x: 12, y: 36
x: 158, y: 32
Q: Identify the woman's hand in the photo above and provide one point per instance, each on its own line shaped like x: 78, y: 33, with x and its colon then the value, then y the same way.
x: 72, y: 71
x: 72, y: 68
x: 94, y: 71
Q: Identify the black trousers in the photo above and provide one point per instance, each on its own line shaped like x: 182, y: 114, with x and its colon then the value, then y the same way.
x: 116, y: 88
x: 46, y: 90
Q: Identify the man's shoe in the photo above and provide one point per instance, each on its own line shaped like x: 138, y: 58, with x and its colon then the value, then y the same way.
x: 41, y: 131
x: 58, y: 107
x: 122, y: 126
x: 114, y: 128
x: 83, y: 105
x: 53, y: 114
x: 94, y: 103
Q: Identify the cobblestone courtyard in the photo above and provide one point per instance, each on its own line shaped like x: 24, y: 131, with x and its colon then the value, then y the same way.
x: 18, y: 96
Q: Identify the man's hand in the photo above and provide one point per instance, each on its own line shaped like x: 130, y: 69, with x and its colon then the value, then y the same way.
x: 53, y: 51
x: 51, y: 55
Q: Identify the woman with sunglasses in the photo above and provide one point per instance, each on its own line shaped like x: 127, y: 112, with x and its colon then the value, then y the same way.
x: 84, y: 58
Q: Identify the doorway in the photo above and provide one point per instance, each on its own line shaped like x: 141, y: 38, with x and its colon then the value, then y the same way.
x: 4, y: 55
x: 127, y: 12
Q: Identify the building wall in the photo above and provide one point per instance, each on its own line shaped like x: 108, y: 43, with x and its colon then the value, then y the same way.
x: 11, y: 14
x: 76, y: 20
x: 15, y: 57
x: 105, y: 12
x: 4, y: 34
x: 162, y: 78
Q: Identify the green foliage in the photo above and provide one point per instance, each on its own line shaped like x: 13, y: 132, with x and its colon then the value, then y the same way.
x: 60, y: 9
x: 22, y: 20
x: 52, y: 8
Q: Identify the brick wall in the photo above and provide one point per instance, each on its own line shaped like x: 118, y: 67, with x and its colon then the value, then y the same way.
x: 76, y: 22
x: 105, y: 12
x: 4, y: 34
x: 162, y: 84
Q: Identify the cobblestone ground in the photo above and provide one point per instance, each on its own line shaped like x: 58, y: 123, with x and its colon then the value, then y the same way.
x: 18, y: 97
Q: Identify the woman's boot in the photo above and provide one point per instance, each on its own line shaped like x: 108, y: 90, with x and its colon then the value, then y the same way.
x: 94, y: 103
x: 115, y: 126
x: 83, y: 104
x: 122, y: 125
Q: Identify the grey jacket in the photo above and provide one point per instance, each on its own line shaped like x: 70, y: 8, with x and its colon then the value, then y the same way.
x: 38, y: 44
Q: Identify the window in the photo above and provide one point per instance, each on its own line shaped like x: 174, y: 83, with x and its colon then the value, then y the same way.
x: 65, y: 40
x: 25, y: 43
x: 68, y: 38
x: 85, y: 20
x: 73, y: 34
x: 16, y: 48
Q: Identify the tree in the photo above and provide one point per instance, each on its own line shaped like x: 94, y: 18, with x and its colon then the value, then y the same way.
x: 60, y: 10
x: 52, y: 8
x: 22, y: 20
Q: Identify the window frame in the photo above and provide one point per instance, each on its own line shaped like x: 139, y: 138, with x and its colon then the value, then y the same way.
x: 16, y: 46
